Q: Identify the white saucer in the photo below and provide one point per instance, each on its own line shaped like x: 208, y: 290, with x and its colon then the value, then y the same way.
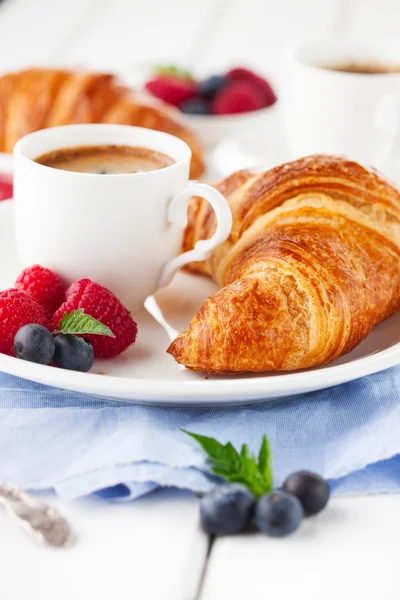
x: 265, y: 148
x: 146, y: 374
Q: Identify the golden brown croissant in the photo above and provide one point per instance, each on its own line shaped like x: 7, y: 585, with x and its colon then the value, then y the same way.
x: 311, y: 266
x: 39, y: 98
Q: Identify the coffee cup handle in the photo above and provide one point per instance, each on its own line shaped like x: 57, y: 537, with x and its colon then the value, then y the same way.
x: 177, y: 216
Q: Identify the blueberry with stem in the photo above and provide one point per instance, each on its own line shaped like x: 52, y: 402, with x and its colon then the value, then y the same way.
x: 278, y: 513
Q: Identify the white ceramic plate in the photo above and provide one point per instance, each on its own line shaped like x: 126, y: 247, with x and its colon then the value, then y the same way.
x: 146, y: 374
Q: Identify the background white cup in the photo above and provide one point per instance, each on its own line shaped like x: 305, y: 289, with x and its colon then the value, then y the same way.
x: 123, y: 231
x: 346, y: 113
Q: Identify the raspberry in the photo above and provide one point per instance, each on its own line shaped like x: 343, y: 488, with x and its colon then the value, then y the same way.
x: 16, y: 310
x: 237, y: 97
x: 6, y: 187
x: 242, y: 74
x: 171, y: 89
x: 46, y: 287
x: 101, y: 304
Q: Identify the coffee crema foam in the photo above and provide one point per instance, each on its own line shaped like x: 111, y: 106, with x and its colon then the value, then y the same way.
x: 106, y: 160
x: 363, y: 67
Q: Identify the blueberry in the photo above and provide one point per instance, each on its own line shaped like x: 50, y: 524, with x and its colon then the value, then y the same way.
x: 34, y: 343
x: 227, y: 509
x: 208, y: 88
x: 311, y: 489
x: 195, y: 106
x: 278, y: 513
x: 73, y: 352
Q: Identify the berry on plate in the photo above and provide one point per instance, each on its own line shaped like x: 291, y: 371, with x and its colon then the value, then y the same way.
x: 73, y: 353
x: 208, y: 88
x: 34, y: 343
x: 173, y: 90
x: 17, y: 309
x: 311, y: 489
x: 47, y: 288
x: 101, y: 304
x: 243, y: 74
x: 278, y: 514
x: 237, y: 97
x: 195, y: 106
x: 227, y: 509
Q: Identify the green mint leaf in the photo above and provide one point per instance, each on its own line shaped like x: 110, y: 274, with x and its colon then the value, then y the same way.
x: 211, y: 447
x: 253, y: 477
x: 222, y: 456
x: 174, y: 71
x: 244, y: 452
x: 264, y: 461
x: 231, y: 456
x: 221, y: 471
x: 237, y: 478
x: 240, y: 468
x: 77, y: 322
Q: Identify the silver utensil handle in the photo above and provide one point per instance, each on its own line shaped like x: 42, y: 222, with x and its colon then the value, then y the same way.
x: 41, y: 521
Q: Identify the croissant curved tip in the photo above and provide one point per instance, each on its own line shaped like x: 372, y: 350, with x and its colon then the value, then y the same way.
x: 177, y: 347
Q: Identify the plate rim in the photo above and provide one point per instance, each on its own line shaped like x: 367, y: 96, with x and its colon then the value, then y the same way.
x: 217, y: 393
x: 235, y: 390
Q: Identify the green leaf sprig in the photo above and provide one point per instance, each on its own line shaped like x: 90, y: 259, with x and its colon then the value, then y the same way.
x: 173, y: 71
x: 239, y: 467
x: 78, y: 323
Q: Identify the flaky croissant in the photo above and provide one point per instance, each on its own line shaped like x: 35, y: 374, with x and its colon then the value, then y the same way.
x: 311, y: 266
x: 39, y: 98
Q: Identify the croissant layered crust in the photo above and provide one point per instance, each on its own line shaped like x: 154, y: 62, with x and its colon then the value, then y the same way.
x: 38, y: 98
x: 311, y: 266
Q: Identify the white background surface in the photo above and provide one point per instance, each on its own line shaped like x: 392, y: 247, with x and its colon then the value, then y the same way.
x: 153, y: 548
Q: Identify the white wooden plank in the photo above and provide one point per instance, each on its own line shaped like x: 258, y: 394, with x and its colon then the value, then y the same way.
x: 349, y: 551
x: 136, y: 31
x: 256, y: 32
x: 33, y: 33
x: 149, y: 549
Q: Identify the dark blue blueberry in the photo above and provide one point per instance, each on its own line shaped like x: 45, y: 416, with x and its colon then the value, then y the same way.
x: 311, y: 489
x: 73, y: 352
x: 34, y: 343
x: 209, y: 88
x: 278, y: 514
x: 227, y: 509
x: 195, y: 106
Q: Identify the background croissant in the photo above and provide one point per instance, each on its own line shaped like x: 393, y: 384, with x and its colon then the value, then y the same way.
x: 311, y: 266
x: 39, y: 98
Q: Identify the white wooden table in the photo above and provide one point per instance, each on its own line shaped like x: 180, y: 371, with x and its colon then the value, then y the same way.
x: 153, y: 548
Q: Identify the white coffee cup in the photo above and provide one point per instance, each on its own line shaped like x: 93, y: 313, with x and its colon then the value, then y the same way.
x: 123, y: 231
x: 348, y: 113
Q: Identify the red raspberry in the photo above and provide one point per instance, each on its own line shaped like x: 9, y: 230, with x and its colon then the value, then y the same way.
x: 242, y: 74
x: 17, y: 309
x: 237, y: 97
x: 46, y: 287
x: 172, y: 89
x: 101, y: 304
x: 6, y: 187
